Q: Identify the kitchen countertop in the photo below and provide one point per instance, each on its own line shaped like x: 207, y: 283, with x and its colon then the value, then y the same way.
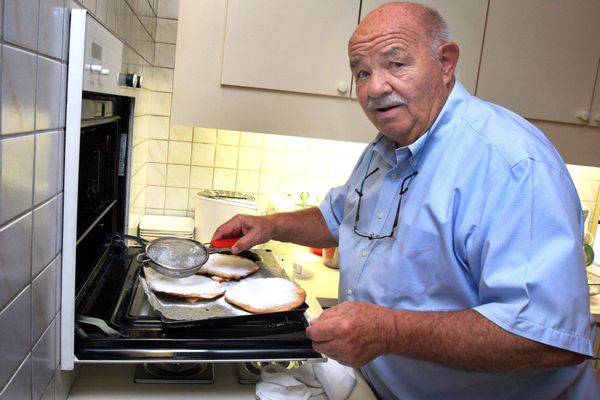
x: 323, y: 284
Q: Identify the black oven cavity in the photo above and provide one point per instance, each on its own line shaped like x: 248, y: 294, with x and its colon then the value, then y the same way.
x: 102, y: 184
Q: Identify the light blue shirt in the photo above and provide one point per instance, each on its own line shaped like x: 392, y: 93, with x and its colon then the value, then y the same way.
x: 492, y: 222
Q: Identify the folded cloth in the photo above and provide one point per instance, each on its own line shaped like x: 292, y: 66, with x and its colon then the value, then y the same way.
x: 316, y: 381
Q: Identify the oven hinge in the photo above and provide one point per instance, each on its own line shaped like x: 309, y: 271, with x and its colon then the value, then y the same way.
x: 98, y: 323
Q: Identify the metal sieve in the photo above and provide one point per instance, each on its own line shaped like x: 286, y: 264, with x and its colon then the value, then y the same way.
x: 180, y: 257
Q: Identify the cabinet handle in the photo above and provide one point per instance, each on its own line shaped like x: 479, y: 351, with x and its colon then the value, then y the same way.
x: 342, y: 87
x: 583, y: 115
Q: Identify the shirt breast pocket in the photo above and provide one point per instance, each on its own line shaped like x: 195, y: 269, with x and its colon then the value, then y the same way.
x: 407, y: 268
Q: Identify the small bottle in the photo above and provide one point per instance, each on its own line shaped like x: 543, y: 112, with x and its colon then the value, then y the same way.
x: 330, y: 257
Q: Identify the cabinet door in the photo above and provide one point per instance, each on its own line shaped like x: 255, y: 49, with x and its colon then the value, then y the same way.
x: 540, y: 57
x: 466, y: 22
x: 295, y: 46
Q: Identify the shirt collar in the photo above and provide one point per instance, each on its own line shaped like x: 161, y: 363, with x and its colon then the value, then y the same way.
x: 386, y: 147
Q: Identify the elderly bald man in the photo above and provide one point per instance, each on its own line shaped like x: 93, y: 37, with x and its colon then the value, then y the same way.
x: 459, y: 234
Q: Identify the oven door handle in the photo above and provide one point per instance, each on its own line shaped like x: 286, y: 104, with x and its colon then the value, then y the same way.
x: 98, y: 323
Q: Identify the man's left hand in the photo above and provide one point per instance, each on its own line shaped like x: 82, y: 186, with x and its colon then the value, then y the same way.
x: 352, y: 333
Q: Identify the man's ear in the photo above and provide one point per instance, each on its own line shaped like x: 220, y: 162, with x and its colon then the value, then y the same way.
x: 448, y: 56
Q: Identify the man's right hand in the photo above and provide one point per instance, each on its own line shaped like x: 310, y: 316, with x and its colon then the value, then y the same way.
x: 251, y: 230
x: 305, y: 227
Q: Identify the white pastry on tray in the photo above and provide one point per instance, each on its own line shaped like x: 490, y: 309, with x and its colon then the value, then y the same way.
x: 228, y: 266
x: 266, y: 295
x: 192, y: 288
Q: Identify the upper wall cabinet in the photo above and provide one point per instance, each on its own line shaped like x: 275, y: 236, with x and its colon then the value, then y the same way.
x: 295, y: 46
x: 540, y: 58
x: 281, y: 67
x: 466, y: 22
x: 271, y: 80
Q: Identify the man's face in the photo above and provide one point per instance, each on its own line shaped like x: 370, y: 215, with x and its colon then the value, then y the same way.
x: 399, y: 84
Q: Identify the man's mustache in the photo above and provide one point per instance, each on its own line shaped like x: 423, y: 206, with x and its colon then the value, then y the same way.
x: 390, y: 100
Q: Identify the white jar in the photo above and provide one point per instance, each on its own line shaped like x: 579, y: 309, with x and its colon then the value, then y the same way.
x: 305, y: 265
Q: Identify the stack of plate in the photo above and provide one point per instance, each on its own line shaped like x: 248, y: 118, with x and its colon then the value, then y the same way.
x: 155, y: 226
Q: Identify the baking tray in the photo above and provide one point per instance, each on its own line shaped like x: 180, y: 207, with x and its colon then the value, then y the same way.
x: 177, y: 312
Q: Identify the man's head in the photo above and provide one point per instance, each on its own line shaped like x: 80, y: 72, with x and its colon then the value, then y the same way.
x: 403, y: 67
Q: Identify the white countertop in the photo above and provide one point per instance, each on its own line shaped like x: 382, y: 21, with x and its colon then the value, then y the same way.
x: 323, y: 284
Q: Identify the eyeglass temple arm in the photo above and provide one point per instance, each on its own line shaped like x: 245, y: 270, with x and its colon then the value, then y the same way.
x: 403, y: 190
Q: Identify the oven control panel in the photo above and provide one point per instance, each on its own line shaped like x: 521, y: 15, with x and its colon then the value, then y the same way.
x: 103, y: 59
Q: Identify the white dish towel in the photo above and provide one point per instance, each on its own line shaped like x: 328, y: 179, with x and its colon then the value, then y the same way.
x: 316, y: 381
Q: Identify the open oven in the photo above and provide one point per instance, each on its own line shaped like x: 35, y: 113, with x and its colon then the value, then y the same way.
x: 106, y: 315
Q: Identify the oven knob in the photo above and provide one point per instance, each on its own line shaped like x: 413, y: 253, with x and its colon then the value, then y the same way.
x: 96, y: 68
x: 104, y: 71
x: 132, y: 80
x: 129, y: 80
x: 139, y: 81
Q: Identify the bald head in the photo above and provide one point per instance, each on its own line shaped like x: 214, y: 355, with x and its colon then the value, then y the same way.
x: 403, y: 68
x: 404, y: 15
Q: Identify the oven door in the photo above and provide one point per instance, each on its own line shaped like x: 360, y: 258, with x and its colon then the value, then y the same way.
x: 115, y: 323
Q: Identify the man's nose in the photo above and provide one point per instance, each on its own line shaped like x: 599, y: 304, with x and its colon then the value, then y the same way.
x: 379, y: 84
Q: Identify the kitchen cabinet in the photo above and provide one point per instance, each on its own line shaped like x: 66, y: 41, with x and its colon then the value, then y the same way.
x: 296, y: 46
x: 540, y: 59
x: 200, y: 99
x: 317, y: 33
x: 282, y: 67
x: 466, y: 23
x: 595, y: 310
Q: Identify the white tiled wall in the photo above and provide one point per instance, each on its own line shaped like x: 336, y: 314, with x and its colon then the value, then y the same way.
x: 33, y: 60
x: 256, y: 163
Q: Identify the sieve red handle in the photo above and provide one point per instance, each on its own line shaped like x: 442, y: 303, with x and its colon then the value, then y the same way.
x: 224, y: 243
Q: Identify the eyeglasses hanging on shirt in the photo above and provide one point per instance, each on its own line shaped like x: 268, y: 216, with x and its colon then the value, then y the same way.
x: 403, y: 189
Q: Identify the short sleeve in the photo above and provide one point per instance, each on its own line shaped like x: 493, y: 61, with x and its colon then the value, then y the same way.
x: 526, y: 258
x: 332, y: 208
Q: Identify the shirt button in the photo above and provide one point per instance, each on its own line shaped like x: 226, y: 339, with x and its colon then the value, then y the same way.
x: 380, y: 215
x: 349, y: 292
x: 364, y: 253
x: 394, y: 176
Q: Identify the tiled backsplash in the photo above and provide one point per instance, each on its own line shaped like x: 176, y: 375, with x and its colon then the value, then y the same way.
x: 256, y: 163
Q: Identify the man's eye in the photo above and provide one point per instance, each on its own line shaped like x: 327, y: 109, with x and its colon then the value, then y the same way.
x: 396, y: 65
x: 361, y: 75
